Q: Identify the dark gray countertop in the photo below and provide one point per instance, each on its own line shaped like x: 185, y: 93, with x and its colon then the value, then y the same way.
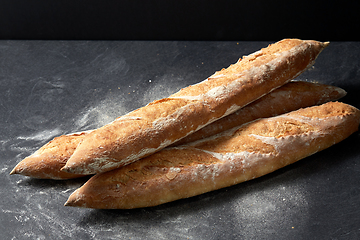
x: 48, y: 88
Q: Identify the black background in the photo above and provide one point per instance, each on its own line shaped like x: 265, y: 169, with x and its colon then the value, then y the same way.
x: 240, y: 20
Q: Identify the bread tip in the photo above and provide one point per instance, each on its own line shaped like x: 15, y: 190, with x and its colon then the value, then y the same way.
x: 74, y: 200
x: 18, y: 169
x: 342, y: 92
x: 71, y: 201
x: 14, y: 171
x: 68, y: 204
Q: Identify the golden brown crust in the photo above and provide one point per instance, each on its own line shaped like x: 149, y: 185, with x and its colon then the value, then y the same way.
x: 163, y: 122
x: 49, y: 159
x: 237, y: 155
x: 290, y: 97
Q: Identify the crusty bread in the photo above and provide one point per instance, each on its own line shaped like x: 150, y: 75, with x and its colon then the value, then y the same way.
x: 290, y: 97
x: 49, y: 159
x: 234, y: 156
x: 163, y: 122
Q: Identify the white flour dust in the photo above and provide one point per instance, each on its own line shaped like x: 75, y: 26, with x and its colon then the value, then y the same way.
x: 34, y: 210
x: 100, y: 114
x: 163, y: 87
x: 261, y: 210
x: 42, y: 135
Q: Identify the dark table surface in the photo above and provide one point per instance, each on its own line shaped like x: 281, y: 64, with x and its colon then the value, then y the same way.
x: 49, y: 88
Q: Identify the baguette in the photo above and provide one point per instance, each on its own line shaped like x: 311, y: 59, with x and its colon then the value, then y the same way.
x: 49, y: 159
x: 161, y: 123
x: 237, y: 155
x: 290, y: 97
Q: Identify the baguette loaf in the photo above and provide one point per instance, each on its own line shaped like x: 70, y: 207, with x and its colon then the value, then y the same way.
x: 290, y: 97
x: 163, y: 122
x: 234, y: 156
x: 49, y: 159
